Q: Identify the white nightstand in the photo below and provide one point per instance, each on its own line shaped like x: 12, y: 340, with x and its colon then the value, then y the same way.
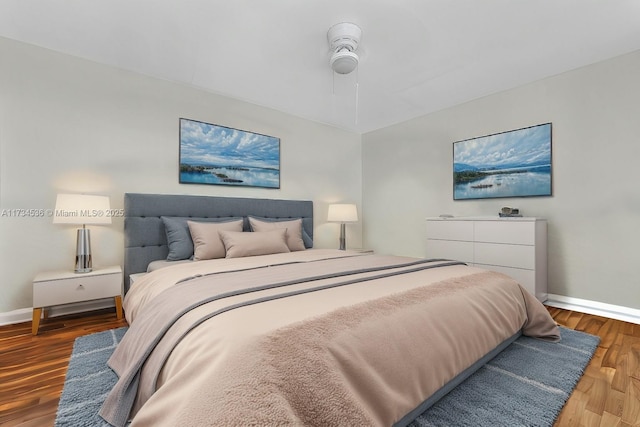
x: 65, y: 287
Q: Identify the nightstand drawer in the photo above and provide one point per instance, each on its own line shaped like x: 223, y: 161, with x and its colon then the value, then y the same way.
x: 76, y: 289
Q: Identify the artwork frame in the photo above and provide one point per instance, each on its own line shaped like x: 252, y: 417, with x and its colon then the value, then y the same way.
x: 514, y: 163
x: 220, y: 155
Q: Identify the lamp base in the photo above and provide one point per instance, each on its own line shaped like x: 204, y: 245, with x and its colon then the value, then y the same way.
x: 343, y: 237
x: 83, y: 251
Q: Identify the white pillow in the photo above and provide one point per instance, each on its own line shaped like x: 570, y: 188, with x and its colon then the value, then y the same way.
x: 293, y: 227
x: 207, y: 243
x: 240, y: 244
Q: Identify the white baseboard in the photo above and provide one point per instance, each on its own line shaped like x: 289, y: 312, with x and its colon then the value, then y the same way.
x: 25, y: 314
x: 611, y: 311
x: 16, y: 316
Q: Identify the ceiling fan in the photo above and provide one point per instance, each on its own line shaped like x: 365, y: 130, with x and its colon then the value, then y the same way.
x: 343, y: 41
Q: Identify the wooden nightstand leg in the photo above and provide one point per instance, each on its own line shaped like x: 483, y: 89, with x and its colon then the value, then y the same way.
x: 118, y: 300
x: 37, y: 312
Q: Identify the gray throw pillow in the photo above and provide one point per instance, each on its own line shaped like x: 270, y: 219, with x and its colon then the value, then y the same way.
x: 179, y: 237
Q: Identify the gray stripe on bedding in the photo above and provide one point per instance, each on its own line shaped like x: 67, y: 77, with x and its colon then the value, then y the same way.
x: 310, y: 279
x: 154, y: 325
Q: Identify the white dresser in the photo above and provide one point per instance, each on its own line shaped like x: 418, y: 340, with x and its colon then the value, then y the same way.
x: 515, y: 246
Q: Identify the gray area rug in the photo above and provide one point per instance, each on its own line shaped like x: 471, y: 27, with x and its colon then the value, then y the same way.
x: 525, y: 385
x: 88, y: 380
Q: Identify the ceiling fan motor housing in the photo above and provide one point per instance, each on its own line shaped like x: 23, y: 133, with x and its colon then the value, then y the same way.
x: 343, y: 40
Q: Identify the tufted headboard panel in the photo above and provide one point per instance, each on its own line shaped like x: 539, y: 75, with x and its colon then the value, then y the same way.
x: 144, y: 234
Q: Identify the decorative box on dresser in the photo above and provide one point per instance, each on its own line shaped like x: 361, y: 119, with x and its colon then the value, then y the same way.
x: 515, y: 246
x: 65, y: 287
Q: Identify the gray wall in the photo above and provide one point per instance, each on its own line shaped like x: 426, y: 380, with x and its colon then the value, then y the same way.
x: 70, y: 125
x: 594, y: 213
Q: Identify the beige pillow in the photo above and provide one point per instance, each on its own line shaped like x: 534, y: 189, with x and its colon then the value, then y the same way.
x: 239, y: 244
x: 207, y: 243
x: 293, y: 227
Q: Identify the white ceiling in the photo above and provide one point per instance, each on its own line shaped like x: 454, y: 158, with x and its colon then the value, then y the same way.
x: 416, y: 56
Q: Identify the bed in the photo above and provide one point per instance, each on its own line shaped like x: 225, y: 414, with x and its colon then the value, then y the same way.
x: 273, y: 332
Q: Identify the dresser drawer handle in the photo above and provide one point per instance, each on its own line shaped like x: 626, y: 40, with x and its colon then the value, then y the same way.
x: 80, y: 288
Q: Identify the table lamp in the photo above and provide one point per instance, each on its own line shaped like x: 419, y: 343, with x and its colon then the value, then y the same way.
x: 342, y: 213
x: 82, y: 209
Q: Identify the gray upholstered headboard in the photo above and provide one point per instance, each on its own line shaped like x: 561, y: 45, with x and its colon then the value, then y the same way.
x: 145, y: 239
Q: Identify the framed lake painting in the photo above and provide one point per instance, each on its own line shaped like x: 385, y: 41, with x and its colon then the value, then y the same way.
x: 219, y: 155
x: 516, y: 163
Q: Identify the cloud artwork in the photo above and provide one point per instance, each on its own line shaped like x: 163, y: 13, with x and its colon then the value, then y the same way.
x: 213, y: 154
x: 509, y: 164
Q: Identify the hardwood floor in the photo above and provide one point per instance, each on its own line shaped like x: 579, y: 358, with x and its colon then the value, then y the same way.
x: 32, y: 369
x: 608, y: 393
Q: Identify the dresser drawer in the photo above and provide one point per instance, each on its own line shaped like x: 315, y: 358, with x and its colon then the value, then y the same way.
x: 518, y: 233
x: 517, y: 256
x: 526, y: 278
x: 449, y: 249
x: 76, y: 289
x: 450, y: 230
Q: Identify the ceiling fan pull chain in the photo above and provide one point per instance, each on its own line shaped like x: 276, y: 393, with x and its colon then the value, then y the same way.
x: 357, y: 92
x: 333, y: 83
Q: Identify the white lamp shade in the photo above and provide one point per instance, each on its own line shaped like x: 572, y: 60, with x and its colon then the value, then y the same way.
x: 342, y: 212
x: 82, y: 209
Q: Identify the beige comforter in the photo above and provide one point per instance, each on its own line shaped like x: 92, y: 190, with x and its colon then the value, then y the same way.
x: 366, y: 353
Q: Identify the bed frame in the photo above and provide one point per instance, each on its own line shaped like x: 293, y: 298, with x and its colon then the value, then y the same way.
x: 145, y: 241
x: 144, y: 234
